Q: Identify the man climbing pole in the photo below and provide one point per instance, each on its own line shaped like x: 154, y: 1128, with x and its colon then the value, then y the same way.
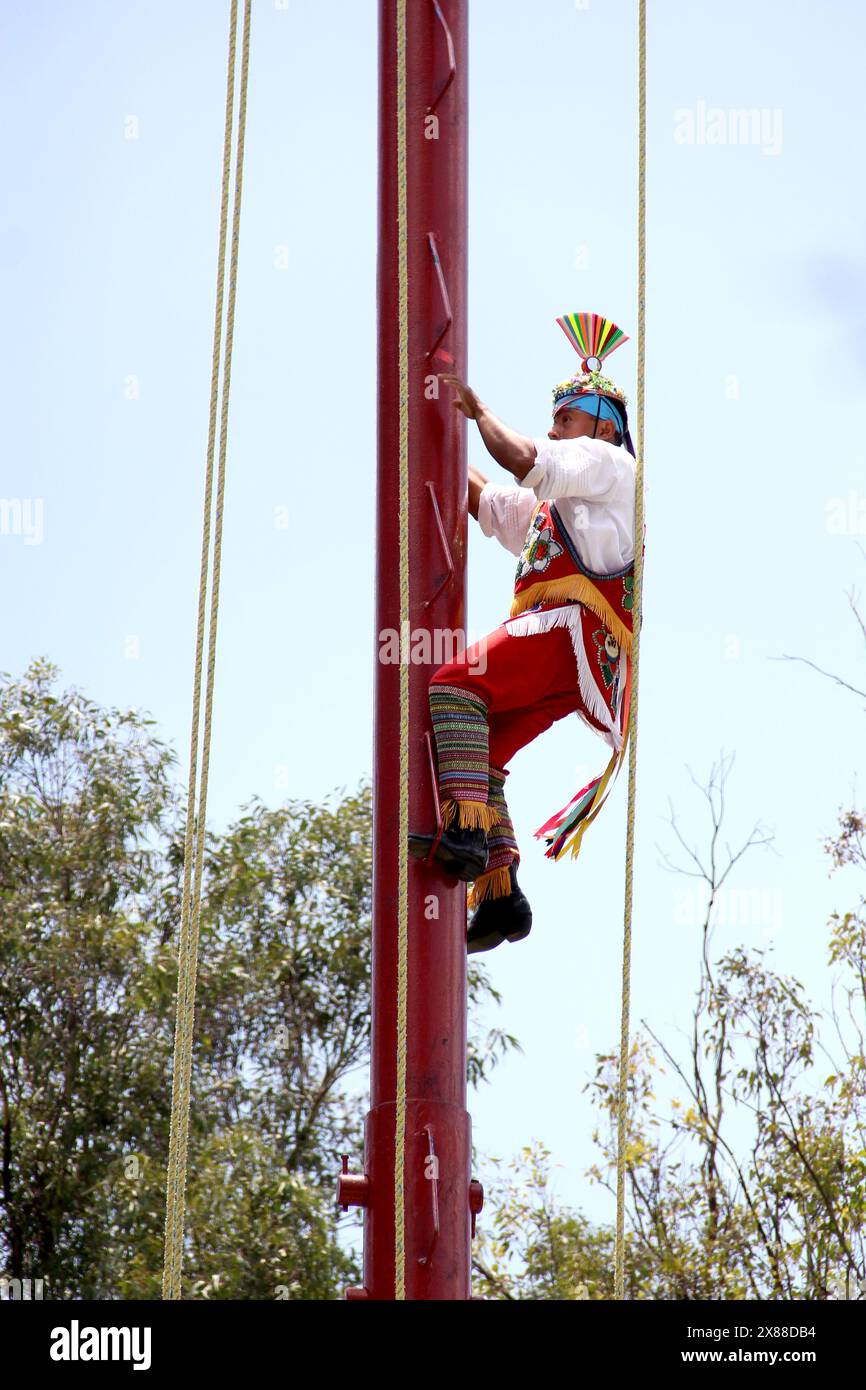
x: 571, y: 523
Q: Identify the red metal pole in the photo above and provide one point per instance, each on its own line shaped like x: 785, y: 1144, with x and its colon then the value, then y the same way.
x: 439, y: 1200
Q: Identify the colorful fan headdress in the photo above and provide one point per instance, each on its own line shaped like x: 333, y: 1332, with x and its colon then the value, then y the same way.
x: 593, y: 338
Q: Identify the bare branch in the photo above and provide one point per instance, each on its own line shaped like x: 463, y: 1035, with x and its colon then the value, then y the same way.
x: 829, y: 674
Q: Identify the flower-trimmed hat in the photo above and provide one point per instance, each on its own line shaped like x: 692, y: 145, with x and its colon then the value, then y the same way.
x: 593, y: 338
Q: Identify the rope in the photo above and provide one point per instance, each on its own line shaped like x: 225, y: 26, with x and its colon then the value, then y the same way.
x: 622, y: 1086
x: 195, y: 827
x: 403, y: 835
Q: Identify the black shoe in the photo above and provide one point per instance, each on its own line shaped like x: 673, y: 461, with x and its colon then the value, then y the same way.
x: 461, y: 852
x: 499, y: 919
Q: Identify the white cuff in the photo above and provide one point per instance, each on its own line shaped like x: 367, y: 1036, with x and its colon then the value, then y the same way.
x: 485, y: 520
x: 535, y: 473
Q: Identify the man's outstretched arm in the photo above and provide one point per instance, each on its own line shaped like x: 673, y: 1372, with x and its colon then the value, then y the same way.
x: 513, y: 451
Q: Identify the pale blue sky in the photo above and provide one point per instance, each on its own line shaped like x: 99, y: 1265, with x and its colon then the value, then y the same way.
x: 755, y: 394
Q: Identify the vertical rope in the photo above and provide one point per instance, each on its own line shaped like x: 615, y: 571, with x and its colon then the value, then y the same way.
x: 195, y: 828
x: 403, y: 828
x: 622, y: 1086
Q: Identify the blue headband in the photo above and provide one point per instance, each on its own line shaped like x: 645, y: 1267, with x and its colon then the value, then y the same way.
x: 590, y: 404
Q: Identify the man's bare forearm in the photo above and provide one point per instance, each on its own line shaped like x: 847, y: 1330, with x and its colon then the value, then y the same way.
x: 513, y: 451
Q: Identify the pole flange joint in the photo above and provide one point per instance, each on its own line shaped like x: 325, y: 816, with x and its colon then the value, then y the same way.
x: 476, y: 1200
x: 353, y: 1189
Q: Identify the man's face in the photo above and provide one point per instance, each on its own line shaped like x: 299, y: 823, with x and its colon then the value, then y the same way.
x: 574, y: 424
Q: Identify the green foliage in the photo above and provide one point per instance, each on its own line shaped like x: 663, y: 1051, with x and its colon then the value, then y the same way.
x: 750, y: 1185
x: 91, y: 859
x: 82, y: 1064
x: 530, y: 1248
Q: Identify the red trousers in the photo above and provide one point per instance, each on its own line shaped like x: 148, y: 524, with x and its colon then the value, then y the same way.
x: 528, y: 682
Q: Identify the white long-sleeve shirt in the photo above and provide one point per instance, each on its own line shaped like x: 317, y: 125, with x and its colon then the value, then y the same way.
x: 592, y: 483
